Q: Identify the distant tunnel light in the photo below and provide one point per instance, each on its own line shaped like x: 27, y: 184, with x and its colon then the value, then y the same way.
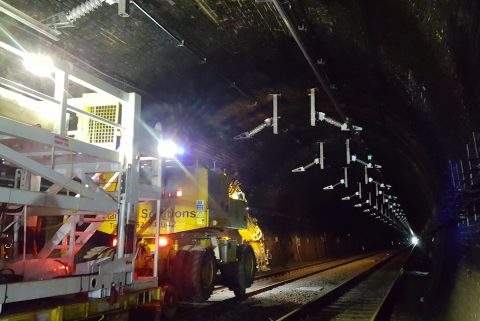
x: 414, y: 240
x: 39, y: 65
x: 179, y: 193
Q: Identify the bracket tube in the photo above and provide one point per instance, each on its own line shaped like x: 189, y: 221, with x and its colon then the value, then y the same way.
x: 475, y: 144
x: 469, y: 164
x: 333, y: 122
x: 345, y: 172
x: 275, y: 114
x: 322, y: 163
x: 347, y: 150
x: 313, y: 114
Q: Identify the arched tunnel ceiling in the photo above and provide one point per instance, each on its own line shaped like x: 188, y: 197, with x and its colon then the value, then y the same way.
x: 404, y: 70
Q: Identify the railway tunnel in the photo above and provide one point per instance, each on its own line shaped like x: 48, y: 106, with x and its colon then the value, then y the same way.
x: 366, y: 115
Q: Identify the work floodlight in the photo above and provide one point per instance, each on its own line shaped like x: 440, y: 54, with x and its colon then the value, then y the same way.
x: 168, y: 149
x: 40, y: 65
x: 414, y: 240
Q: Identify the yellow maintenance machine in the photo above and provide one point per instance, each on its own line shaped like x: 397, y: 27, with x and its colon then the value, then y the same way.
x: 70, y: 179
x: 253, y: 234
x: 206, y: 234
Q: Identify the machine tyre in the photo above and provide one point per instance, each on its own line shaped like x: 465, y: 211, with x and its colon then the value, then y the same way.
x: 249, y: 263
x: 169, y: 302
x: 176, y: 273
x: 200, y: 269
x: 241, y: 275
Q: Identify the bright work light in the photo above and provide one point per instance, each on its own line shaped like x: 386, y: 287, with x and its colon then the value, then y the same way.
x: 39, y: 65
x: 414, y: 240
x: 168, y: 149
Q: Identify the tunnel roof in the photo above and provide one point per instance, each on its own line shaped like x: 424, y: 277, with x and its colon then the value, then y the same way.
x: 405, y: 71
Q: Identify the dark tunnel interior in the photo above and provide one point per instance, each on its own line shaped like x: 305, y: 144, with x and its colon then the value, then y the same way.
x: 405, y: 71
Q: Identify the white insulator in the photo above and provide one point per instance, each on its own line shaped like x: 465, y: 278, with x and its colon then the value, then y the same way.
x: 333, y: 122
x: 83, y: 9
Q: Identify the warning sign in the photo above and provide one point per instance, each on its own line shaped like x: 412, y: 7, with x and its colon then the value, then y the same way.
x: 200, y: 205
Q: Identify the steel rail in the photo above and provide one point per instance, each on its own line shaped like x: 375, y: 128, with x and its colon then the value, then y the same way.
x: 210, y: 308
x: 294, y: 268
x: 334, y: 294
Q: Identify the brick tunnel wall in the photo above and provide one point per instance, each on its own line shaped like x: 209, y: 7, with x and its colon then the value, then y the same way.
x: 297, y: 247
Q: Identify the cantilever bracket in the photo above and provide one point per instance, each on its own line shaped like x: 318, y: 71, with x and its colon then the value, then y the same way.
x: 330, y: 187
x: 319, y: 160
x: 304, y: 168
x: 249, y: 134
x: 319, y: 116
x: 354, y: 158
x: 269, y: 122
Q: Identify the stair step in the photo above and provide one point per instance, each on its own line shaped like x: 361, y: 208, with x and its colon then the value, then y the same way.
x: 79, y: 233
x: 92, y: 220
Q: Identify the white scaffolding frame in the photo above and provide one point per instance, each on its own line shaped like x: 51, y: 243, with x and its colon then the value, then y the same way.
x: 57, y: 158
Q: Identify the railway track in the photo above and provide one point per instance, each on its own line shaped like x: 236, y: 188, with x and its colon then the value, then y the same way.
x: 256, y: 305
x: 285, y: 275
x: 363, y: 297
x: 288, y: 276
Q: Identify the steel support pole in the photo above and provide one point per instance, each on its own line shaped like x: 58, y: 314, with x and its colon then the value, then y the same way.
x: 61, y: 88
x: 347, y: 150
x: 470, y: 171
x: 157, y: 218
x: 345, y: 174
x: 24, y: 233
x: 121, y: 216
x: 322, y: 161
x: 275, y: 113
x: 475, y: 146
x: 463, y: 174
x: 452, y: 174
x: 313, y: 116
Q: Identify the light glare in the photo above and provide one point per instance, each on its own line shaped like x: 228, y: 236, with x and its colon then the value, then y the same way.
x: 414, y: 240
x: 39, y: 65
x: 168, y: 149
x: 162, y: 241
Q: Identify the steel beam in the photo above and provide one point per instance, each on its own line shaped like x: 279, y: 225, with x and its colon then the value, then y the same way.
x: 13, y: 128
x: 16, y: 196
x: 47, y: 173
x: 29, y: 21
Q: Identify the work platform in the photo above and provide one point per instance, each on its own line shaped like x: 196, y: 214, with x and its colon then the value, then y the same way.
x: 65, y: 139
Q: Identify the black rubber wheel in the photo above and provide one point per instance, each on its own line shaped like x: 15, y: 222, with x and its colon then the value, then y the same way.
x: 176, y: 273
x: 240, y: 276
x: 199, y: 270
x: 249, y: 263
x: 239, y: 292
x: 169, y: 302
